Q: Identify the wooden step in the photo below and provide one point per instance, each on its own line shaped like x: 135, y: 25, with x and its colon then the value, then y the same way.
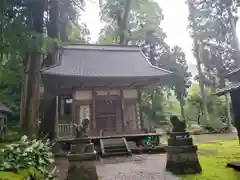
x: 114, y: 147
x: 114, y: 154
x: 116, y: 150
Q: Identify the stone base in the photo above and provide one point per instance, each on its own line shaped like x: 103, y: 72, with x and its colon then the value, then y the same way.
x: 180, y: 142
x: 75, y: 158
x: 182, y: 160
x: 83, y: 148
x: 234, y: 165
x: 82, y: 171
x: 57, y: 150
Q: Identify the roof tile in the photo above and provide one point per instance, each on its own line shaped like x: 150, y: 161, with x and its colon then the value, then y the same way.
x: 104, y: 61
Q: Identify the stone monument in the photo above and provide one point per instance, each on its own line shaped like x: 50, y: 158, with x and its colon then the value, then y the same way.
x: 181, y: 153
x: 82, y: 155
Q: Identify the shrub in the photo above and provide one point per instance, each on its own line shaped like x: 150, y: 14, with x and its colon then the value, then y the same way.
x: 196, y: 129
x: 31, y: 173
x: 27, y: 154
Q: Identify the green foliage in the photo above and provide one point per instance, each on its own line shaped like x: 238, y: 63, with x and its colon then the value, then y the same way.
x: 180, y: 68
x: 143, y: 29
x: 26, y: 29
x: 10, y: 176
x: 215, y: 29
x: 152, y: 103
x: 11, y: 71
x: 24, y: 175
x: 216, y: 107
x: 214, y: 158
x: 27, y: 154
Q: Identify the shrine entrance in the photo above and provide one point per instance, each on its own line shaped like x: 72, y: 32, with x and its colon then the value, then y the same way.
x: 107, y: 113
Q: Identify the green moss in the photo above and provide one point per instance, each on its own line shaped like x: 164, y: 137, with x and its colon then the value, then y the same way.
x: 214, y: 158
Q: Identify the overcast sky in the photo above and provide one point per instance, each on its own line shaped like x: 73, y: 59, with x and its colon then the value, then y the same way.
x: 174, y: 24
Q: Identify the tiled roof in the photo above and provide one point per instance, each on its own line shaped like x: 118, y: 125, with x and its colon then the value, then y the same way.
x: 4, y: 108
x: 231, y: 87
x: 104, y: 61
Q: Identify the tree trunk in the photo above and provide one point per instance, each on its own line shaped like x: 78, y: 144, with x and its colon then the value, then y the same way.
x: 182, y: 107
x: 235, y: 37
x: 123, y: 22
x: 229, y: 117
x: 153, y: 106
x: 198, y: 49
x: 30, y: 91
x: 48, y: 123
x: 23, y: 93
x: 198, y: 117
x: 32, y: 103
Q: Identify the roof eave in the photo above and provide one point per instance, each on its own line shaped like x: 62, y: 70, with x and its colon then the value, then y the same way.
x: 103, y: 77
x: 155, y: 67
x: 228, y: 89
x: 233, y: 72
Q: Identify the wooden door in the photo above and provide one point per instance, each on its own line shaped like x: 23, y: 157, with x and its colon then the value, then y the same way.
x: 106, y: 114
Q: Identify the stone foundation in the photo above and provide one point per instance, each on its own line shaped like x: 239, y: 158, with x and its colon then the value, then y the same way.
x: 182, y: 154
x: 183, y: 160
x: 82, y: 171
x: 82, y: 166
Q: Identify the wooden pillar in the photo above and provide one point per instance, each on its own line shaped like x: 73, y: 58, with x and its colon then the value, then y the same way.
x: 62, y: 105
x: 140, y: 109
x: 48, y: 123
x: 73, y: 112
x: 93, y: 110
x: 57, y: 116
x: 122, y: 109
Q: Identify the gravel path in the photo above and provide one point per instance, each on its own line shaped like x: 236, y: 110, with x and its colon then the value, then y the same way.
x: 138, y: 167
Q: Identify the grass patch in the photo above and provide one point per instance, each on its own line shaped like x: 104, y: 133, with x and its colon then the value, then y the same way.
x: 214, y: 158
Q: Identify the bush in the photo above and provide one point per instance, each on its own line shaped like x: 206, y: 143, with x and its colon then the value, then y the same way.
x: 25, y: 175
x: 27, y: 154
x: 11, y: 137
x: 196, y: 129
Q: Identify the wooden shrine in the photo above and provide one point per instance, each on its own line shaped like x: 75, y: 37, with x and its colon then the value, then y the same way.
x: 103, y: 83
x: 233, y: 88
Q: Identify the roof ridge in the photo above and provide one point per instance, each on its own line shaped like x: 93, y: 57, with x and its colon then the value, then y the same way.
x: 114, y: 45
x: 100, y: 47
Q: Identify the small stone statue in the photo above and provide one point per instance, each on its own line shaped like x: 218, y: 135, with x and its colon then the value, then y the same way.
x: 181, y: 153
x: 178, y: 126
x: 81, y: 129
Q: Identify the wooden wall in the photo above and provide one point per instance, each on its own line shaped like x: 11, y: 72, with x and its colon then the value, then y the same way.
x: 83, y: 101
x: 132, y: 118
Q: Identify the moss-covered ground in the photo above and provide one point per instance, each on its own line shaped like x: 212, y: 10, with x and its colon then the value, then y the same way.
x: 213, y: 159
